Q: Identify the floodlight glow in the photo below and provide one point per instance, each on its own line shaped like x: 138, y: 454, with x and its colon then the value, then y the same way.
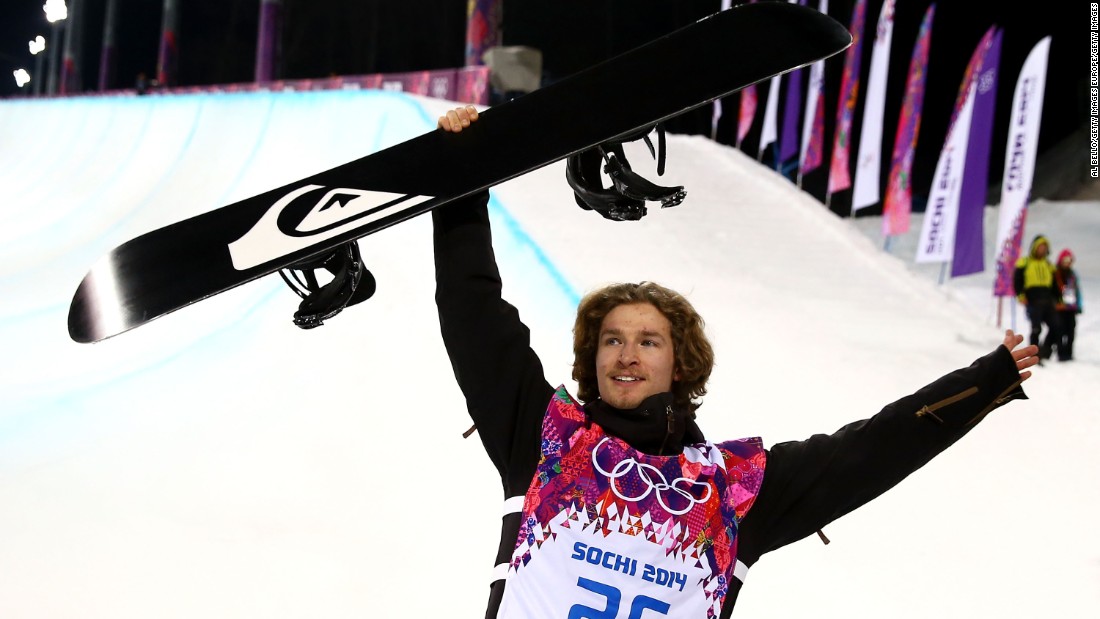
x: 21, y: 77
x: 55, y: 10
x: 38, y: 44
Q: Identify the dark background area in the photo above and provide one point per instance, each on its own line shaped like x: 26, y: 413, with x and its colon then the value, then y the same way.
x: 217, y: 42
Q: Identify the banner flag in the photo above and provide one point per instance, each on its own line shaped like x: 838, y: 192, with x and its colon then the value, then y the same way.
x: 839, y: 177
x: 746, y: 113
x: 769, y: 130
x: 865, y: 190
x: 970, y: 229
x: 1023, y: 141
x: 937, y: 235
x: 898, y: 206
x: 937, y: 238
x: 813, y: 125
x: 788, y: 144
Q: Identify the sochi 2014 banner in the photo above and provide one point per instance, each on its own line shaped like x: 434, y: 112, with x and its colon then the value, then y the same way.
x: 839, y: 178
x: 865, y: 187
x: 937, y: 237
x: 899, y: 192
x: 1020, y: 152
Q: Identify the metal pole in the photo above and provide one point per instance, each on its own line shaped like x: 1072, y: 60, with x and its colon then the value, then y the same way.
x: 269, y: 41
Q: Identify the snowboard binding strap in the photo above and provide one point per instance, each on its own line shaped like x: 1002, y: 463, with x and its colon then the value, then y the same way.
x: 625, y: 199
x: 351, y: 283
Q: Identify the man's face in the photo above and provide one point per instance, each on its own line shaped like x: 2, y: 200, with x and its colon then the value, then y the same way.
x: 1041, y: 250
x: 634, y: 359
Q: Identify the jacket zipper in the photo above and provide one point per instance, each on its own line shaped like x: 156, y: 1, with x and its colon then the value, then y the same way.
x: 930, y: 411
x: 1001, y: 399
x: 670, y: 416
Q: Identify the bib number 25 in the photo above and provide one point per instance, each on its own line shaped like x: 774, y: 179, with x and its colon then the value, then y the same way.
x: 638, y: 605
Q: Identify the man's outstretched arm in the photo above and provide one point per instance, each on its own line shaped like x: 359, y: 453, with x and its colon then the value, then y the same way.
x: 489, y: 346
x: 809, y: 483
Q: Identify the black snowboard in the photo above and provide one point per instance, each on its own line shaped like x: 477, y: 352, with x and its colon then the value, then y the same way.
x: 180, y: 264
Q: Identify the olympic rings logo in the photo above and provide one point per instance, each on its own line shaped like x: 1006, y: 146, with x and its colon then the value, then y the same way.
x: 647, y: 473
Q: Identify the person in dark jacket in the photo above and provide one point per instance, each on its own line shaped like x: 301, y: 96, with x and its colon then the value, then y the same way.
x: 1033, y: 283
x: 615, y: 502
x: 1069, y: 303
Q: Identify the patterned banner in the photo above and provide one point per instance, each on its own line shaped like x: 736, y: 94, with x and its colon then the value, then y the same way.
x: 865, y: 190
x: 970, y: 229
x: 747, y: 111
x: 482, y: 29
x: 899, y: 191
x: 813, y: 125
x: 937, y: 238
x: 1023, y: 141
x: 839, y: 178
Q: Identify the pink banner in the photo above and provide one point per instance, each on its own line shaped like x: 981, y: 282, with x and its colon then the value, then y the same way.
x: 898, y: 206
x: 746, y: 113
x: 839, y: 175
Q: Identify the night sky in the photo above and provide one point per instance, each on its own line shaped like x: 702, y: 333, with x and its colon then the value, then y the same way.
x: 217, y: 41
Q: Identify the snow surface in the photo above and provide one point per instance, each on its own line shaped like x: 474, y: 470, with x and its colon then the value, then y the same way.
x: 221, y: 462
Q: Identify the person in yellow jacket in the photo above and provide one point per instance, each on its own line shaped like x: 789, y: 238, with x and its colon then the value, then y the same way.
x: 1035, y: 288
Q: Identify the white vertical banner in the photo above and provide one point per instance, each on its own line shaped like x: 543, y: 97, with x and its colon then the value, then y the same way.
x: 770, y: 130
x: 865, y: 187
x: 814, y: 91
x: 937, y: 234
x: 1020, y: 153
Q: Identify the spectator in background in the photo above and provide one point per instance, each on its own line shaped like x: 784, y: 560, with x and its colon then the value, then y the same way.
x: 1068, y: 305
x: 143, y: 84
x: 1033, y: 282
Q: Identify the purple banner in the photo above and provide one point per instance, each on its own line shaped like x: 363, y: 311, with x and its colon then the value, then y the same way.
x: 898, y: 207
x: 268, y: 41
x: 970, y: 228
x: 839, y: 175
x: 788, y: 142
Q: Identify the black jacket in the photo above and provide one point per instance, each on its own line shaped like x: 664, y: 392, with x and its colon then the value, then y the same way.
x: 807, y: 484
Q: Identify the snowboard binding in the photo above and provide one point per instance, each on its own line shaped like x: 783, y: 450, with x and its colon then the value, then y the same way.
x: 625, y: 199
x: 351, y: 283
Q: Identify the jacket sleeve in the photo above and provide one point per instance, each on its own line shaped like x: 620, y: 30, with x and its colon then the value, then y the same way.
x: 1018, y: 278
x: 808, y: 484
x: 489, y: 347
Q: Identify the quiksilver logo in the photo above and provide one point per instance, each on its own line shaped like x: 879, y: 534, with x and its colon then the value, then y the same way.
x: 337, y: 211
